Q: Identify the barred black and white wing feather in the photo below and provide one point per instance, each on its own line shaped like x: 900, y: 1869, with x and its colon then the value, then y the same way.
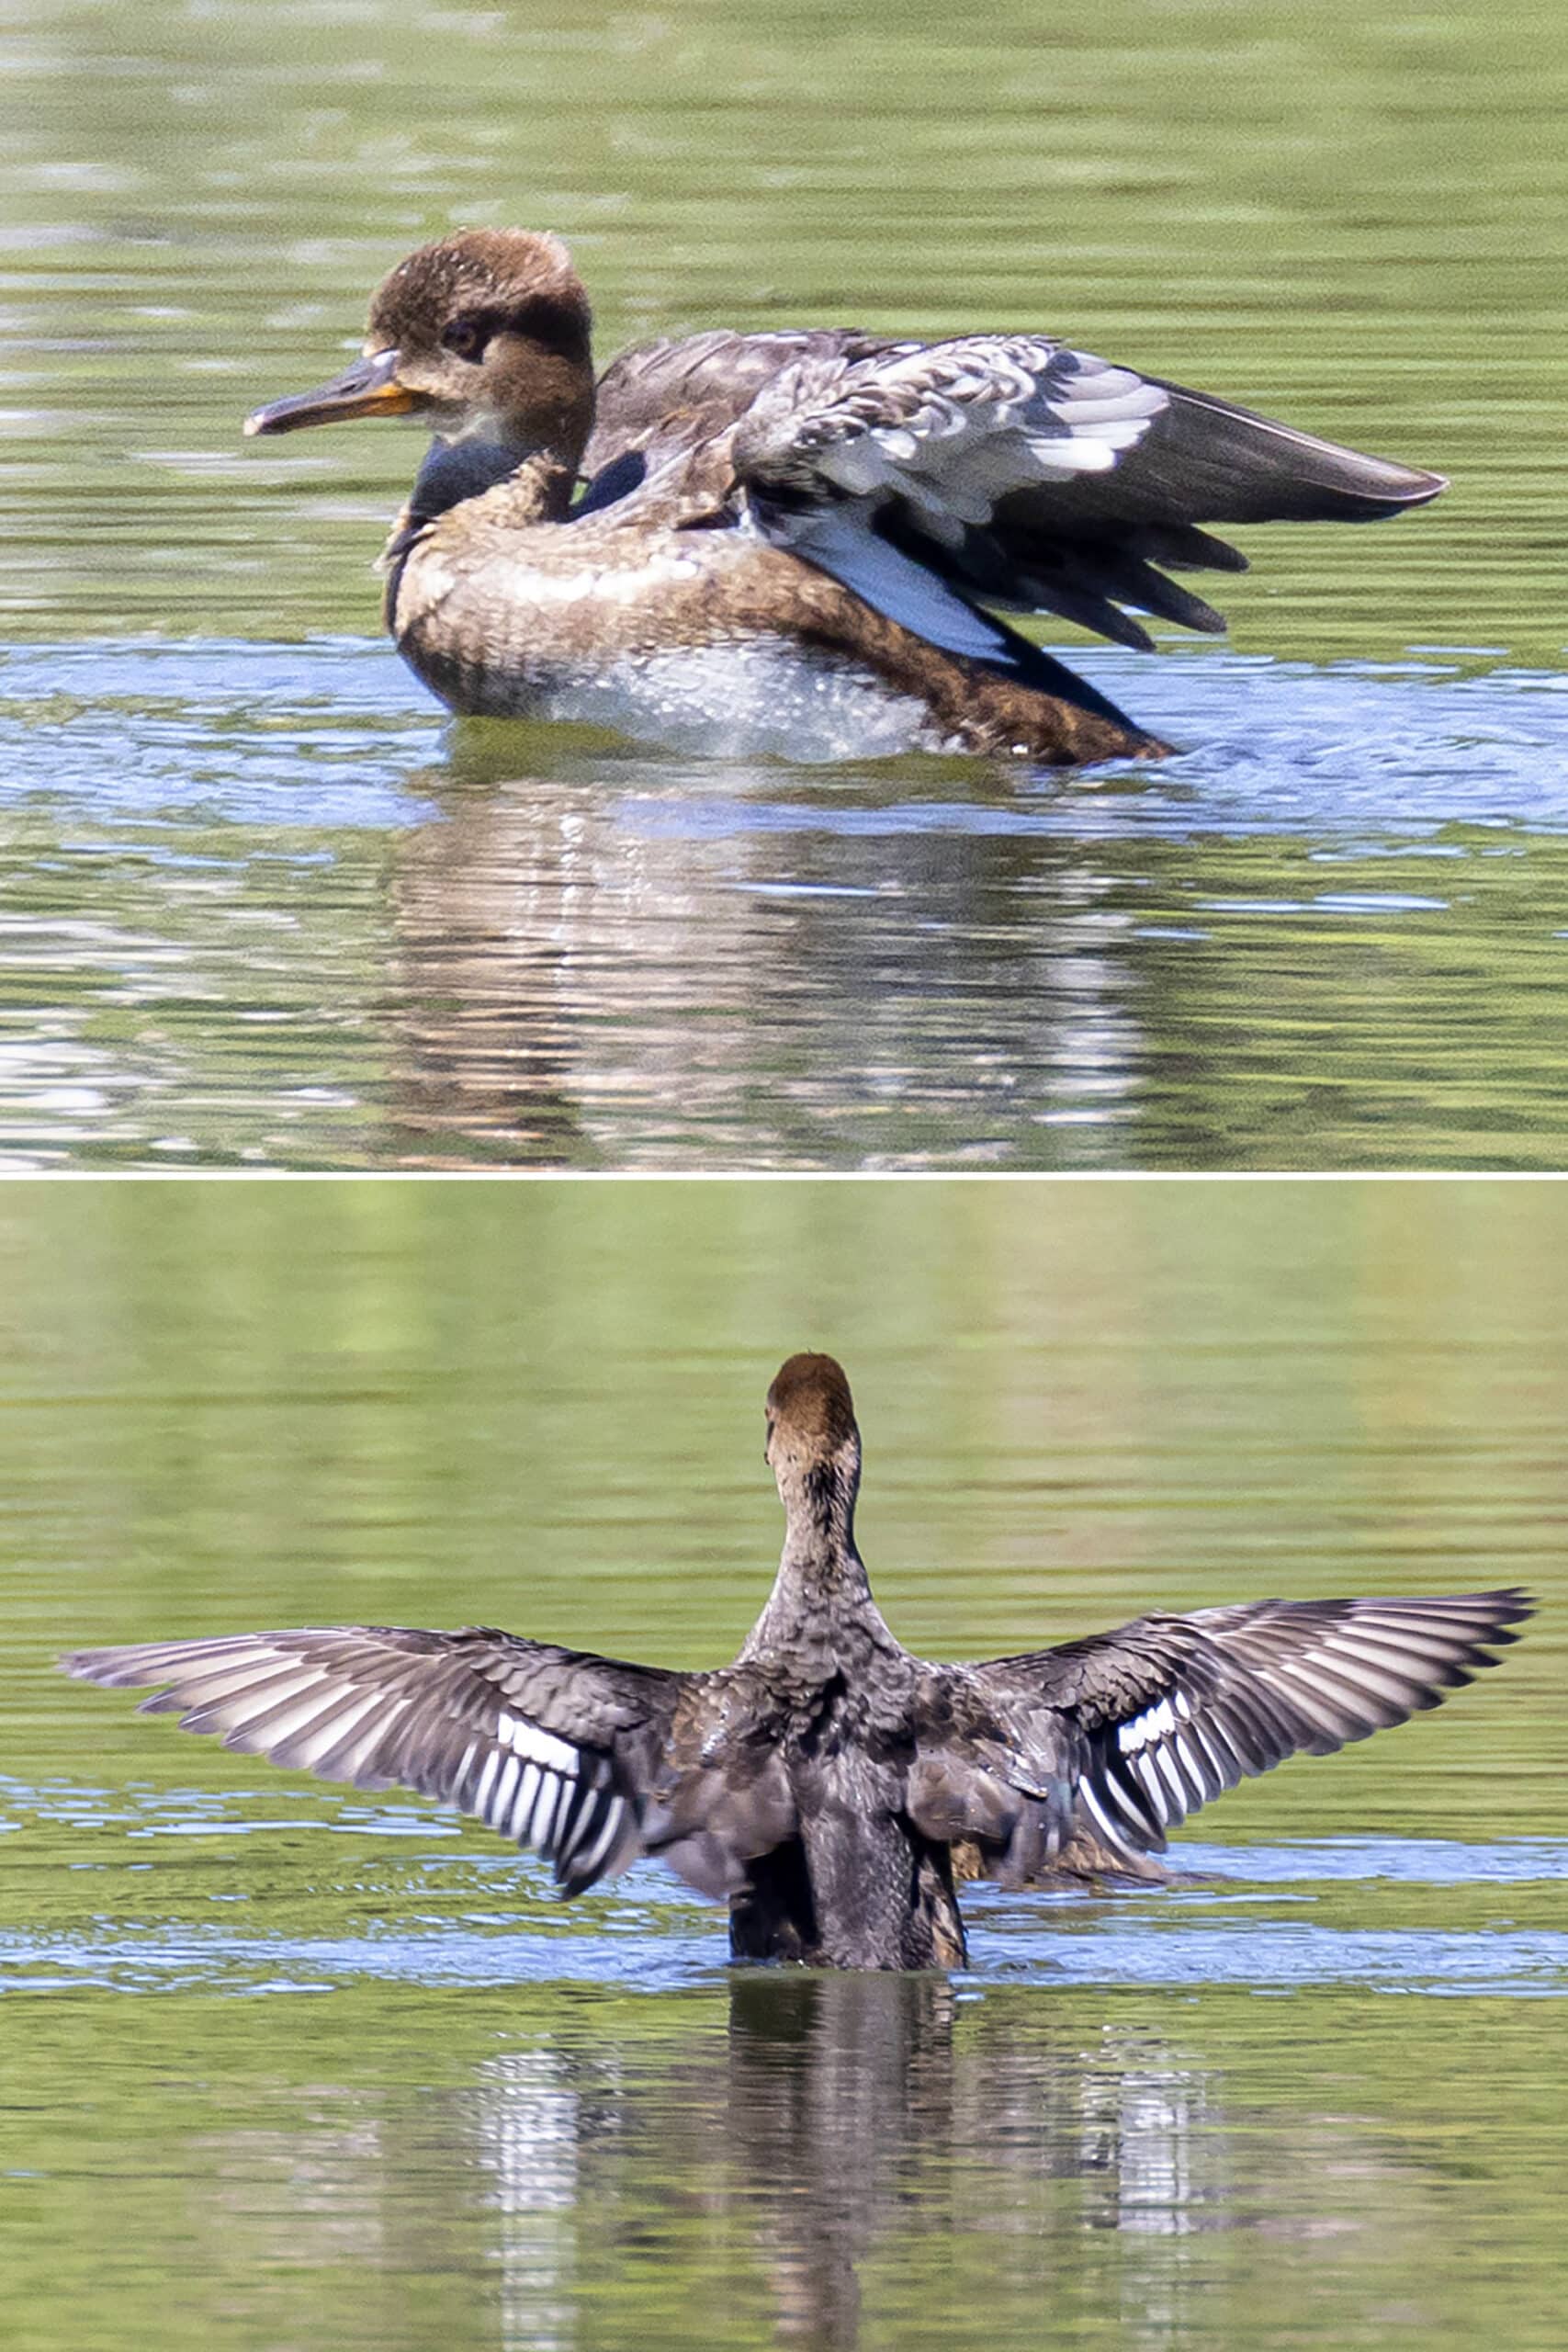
x: 554, y: 1749
x: 952, y: 427
x: 1164, y: 1715
x: 1015, y: 471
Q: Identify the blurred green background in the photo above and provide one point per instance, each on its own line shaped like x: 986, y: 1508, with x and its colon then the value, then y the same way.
x: 1354, y: 216
x: 288, y: 2066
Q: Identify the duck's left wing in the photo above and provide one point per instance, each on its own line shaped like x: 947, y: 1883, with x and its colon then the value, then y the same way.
x: 1164, y: 1715
x: 556, y: 1749
x: 1014, y: 470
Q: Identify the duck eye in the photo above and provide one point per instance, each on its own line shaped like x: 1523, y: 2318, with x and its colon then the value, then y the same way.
x: 466, y: 338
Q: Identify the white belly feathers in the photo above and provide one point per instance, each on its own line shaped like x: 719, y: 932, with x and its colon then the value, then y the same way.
x: 766, y: 699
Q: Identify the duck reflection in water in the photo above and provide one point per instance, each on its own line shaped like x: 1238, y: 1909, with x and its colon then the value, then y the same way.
x: 816, y: 2148
x: 858, y: 2108
x: 829, y: 1784
x: 592, y: 969
x: 826, y: 2159
x: 842, y: 2118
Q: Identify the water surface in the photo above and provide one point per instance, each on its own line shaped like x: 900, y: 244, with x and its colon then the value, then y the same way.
x: 261, y: 905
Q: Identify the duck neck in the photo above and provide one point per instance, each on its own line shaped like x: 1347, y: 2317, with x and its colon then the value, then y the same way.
x: 821, y: 1578
x: 534, y: 486
x: 539, y: 480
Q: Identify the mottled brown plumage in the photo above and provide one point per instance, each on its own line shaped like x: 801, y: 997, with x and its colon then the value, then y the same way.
x: 828, y: 1783
x: 794, y: 539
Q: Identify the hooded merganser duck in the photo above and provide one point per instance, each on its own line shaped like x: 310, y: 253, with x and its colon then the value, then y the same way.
x: 824, y: 1780
x: 794, y: 542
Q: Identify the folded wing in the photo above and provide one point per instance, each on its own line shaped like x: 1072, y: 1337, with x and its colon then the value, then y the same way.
x: 555, y: 1748
x: 666, y: 395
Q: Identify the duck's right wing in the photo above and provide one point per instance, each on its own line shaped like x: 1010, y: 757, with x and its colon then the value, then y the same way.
x: 556, y: 1749
x: 701, y: 384
x: 1158, y: 1717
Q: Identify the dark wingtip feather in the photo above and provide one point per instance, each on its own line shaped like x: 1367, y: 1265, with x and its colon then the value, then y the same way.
x: 1171, y: 602
x: 1514, y: 1606
x: 108, y: 1668
x: 1183, y: 547
x: 1207, y: 460
x: 1384, y: 503
x: 1386, y: 489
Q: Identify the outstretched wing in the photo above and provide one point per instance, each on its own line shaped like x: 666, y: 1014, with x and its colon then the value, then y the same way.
x: 553, y: 1748
x: 1164, y: 1715
x: 1015, y: 470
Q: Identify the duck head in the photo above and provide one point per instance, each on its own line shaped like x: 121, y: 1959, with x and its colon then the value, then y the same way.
x: 812, y: 1448
x: 484, y: 336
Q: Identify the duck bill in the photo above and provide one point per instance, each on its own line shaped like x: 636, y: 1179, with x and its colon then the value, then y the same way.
x: 370, y: 388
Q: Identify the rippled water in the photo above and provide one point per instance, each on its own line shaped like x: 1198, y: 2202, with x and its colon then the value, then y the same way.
x: 1270, y: 1919
x: 499, y: 945
x: 286, y: 2064
x: 259, y: 905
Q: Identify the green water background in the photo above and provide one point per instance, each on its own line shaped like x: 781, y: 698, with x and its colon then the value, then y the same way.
x: 1351, y: 216
x: 283, y: 2064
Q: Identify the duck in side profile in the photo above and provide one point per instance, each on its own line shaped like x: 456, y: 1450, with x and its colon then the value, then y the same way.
x: 824, y: 1780
x: 795, y: 542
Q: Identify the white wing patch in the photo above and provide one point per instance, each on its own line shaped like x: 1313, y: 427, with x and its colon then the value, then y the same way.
x: 1165, y: 1763
x: 1154, y: 1723
x: 543, y: 1793
x: 543, y: 1747
x: 952, y: 428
